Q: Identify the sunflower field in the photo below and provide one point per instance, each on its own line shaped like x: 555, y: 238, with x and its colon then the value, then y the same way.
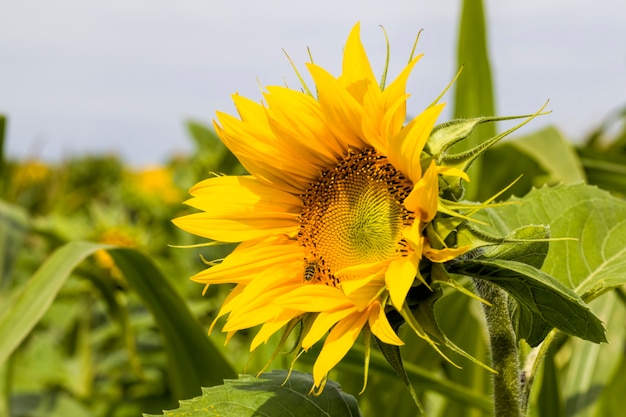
x: 348, y: 257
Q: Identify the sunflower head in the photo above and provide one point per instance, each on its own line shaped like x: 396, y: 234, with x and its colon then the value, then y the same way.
x: 344, y: 213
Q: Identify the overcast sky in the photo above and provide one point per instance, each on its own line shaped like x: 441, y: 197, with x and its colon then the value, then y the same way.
x: 81, y: 76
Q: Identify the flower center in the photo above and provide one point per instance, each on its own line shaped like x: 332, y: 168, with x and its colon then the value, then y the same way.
x: 353, y: 215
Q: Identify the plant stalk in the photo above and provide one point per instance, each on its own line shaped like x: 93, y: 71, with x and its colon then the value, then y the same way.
x: 507, y: 384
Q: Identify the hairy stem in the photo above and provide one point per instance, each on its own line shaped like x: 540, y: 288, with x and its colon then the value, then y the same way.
x: 507, y: 384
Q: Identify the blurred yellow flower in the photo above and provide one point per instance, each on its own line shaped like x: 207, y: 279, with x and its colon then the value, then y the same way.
x: 30, y: 173
x: 114, y: 237
x: 332, y: 217
x: 156, y: 181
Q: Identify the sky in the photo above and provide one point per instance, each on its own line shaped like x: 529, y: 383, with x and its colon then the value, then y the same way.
x: 112, y: 76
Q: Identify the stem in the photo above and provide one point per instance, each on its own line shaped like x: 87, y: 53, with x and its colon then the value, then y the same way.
x: 507, y: 387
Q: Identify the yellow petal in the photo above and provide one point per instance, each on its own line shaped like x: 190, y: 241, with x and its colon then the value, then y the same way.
x: 238, y: 209
x: 342, y: 113
x: 413, y: 235
x: 337, y: 344
x: 313, y: 298
x: 362, y: 292
x: 256, y: 311
x: 362, y: 270
x: 424, y: 198
x: 260, y: 156
x: 357, y: 74
x: 247, y: 262
x: 452, y: 172
x: 237, y: 229
x: 445, y: 254
x: 405, y: 149
x: 395, y: 96
x: 255, y: 303
x: 380, y: 326
x: 322, y: 323
x: 268, y: 329
x: 228, y: 304
x: 399, y: 278
x: 301, y: 122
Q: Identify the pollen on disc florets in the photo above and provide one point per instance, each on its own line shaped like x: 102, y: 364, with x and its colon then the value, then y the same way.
x: 353, y: 215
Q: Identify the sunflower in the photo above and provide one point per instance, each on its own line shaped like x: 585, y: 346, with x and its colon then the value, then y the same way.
x: 332, y: 220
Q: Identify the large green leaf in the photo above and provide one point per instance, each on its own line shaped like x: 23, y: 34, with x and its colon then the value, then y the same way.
x: 544, y: 157
x: 593, y: 261
x: 532, y: 316
x: 29, y: 303
x: 193, y: 360
x: 553, y: 153
x: 275, y: 394
x: 540, y: 296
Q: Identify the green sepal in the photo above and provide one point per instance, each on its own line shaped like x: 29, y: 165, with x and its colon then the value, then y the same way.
x: 424, y: 313
x: 394, y: 358
x: 444, y: 135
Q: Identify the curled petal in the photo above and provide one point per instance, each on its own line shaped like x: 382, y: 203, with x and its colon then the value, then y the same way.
x: 380, y: 326
x: 445, y: 254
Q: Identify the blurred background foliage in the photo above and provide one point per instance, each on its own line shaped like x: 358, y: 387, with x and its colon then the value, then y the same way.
x: 125, y: 331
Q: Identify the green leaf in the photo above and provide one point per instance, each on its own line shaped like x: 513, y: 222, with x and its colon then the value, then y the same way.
x: 595, y: 261
x: 425, y: 379
x: 553, y: 153
x: 520, y: 173
x: 550, y: 401
x: 275, y: 394
x: 193, y: 360
x: 474, y: 91
x: 394, y: 359
x: 527, y: 244
x: 611, y: 402
x: 13, y: 228
x: 604, y: 153
x: 539, y: 293
x: 29, y: 303
x: 604, y: 169
x: 590, y: 366
x: 527, y: 324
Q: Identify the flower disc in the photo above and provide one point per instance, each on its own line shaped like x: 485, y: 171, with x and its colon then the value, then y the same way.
x: 354, y: 214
